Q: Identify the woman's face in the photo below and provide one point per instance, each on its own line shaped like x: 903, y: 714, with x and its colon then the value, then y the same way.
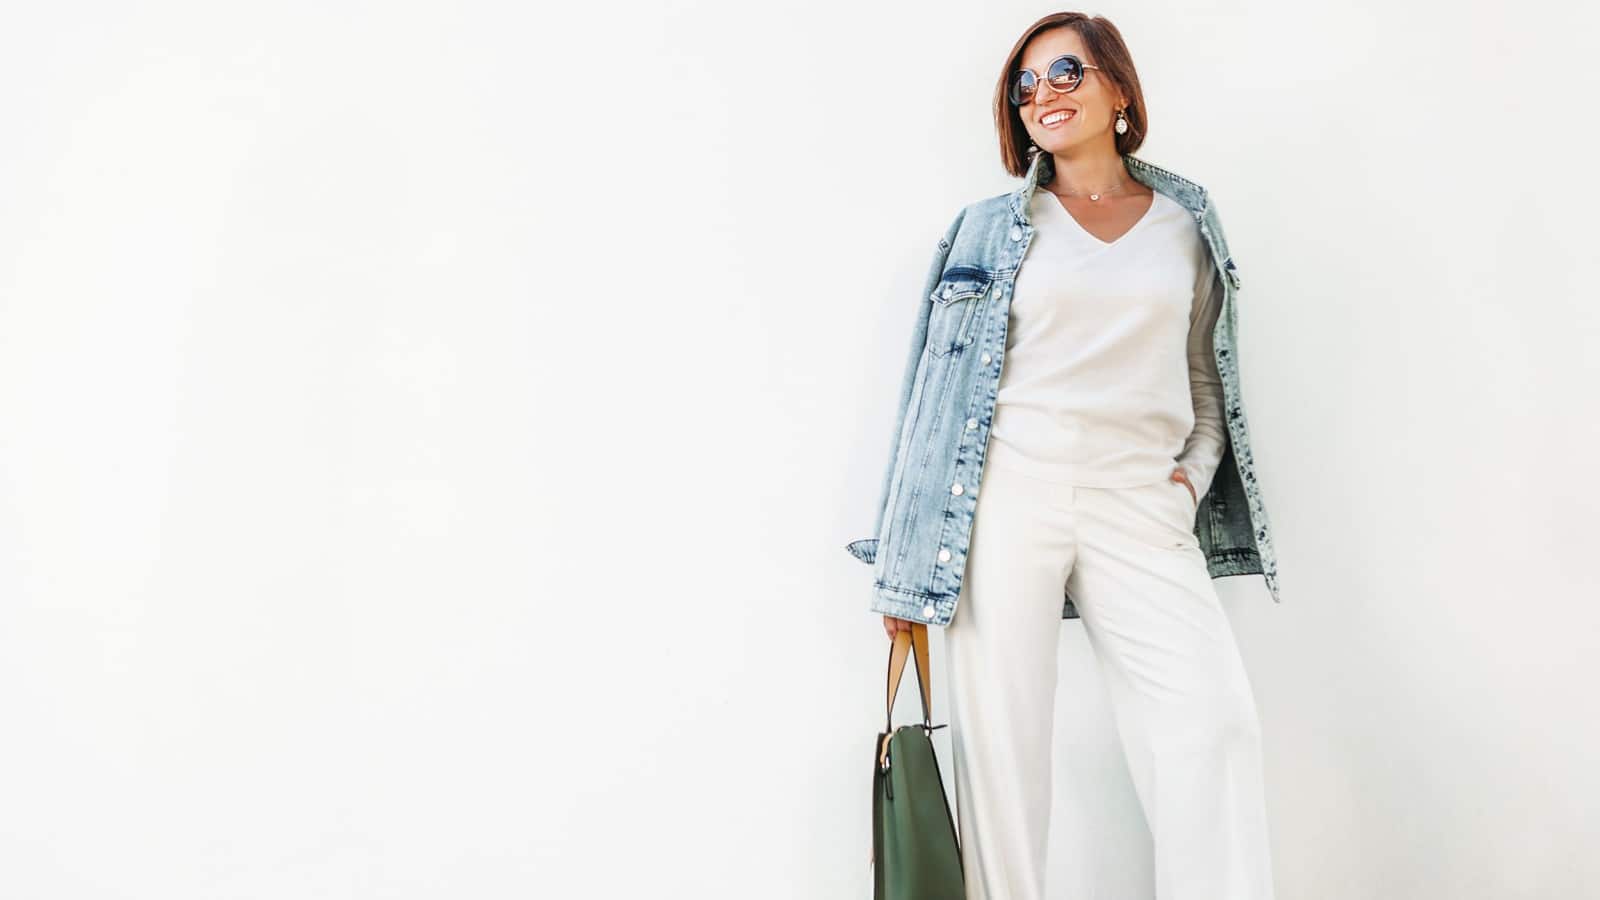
x: 1091, y: 108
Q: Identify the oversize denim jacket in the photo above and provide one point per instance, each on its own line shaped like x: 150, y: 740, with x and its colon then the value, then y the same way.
x: 946, y: 403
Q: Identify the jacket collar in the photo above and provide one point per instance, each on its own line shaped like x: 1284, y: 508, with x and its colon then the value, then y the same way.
x: 1190, y: 195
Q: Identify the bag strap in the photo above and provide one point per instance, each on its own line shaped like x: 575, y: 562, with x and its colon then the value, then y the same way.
x: 905, y: 642
x: 914, y: 644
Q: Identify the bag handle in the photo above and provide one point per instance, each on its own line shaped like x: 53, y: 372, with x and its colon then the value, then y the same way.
x: 912, y: 643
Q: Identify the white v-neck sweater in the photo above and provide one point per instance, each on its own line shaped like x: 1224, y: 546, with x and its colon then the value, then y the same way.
x: 1109, y: 379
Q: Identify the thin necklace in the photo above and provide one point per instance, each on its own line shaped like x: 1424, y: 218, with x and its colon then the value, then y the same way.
x: 1094, y: 196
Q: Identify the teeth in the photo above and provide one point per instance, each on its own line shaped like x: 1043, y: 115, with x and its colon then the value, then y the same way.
x: 1056, y: 117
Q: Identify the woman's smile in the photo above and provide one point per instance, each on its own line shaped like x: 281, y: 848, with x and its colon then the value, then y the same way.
x: 1056, y: 117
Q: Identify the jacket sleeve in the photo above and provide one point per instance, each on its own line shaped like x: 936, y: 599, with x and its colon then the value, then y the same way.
x: 866, y: 549
x: 1202, y: 450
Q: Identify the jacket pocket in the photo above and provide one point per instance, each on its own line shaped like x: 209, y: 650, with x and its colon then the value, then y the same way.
x: 957, y: 298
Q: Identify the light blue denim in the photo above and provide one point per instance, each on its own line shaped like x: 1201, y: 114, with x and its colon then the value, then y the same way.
x: 946, y: 403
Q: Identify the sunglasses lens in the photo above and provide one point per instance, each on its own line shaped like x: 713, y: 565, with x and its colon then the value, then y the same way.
x: 1023, y: 85
x: 1065, y: 73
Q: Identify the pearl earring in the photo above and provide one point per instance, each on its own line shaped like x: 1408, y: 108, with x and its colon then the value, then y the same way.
x: 1122, y: 123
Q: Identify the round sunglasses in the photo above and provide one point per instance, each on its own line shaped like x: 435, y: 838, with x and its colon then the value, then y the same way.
x: 1064, y: 73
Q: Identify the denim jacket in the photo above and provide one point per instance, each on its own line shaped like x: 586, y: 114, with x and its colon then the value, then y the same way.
x: 918, y: 551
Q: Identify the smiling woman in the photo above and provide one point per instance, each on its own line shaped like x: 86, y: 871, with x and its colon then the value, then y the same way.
x: 1072, y: 444
x: 1061, y: 98
x: 1065, y: 53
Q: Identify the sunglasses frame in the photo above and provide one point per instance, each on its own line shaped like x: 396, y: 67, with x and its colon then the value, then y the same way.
x: 1012, y: 87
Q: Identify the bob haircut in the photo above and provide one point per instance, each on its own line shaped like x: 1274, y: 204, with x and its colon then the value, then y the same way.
x: 1106, y: 50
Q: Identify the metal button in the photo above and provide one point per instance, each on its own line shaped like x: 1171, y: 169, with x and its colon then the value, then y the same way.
x: 928, y: 610
x: 956, y: 488
x: 948, y: 291
x: 986, y: 357
x: 944, y: 556
x: 1016, y: 233
x: 971, y: 424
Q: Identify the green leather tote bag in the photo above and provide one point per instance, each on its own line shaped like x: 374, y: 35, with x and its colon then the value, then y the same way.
x: 915, y: 852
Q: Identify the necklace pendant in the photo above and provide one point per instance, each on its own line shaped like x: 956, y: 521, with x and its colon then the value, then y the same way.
x: 1094, y: 196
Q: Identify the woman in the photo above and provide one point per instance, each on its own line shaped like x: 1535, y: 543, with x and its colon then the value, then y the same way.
x: 1093, y: 392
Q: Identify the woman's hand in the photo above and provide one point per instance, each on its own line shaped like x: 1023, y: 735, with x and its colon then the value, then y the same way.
x: 1180, y: 475
x: 891, y: 625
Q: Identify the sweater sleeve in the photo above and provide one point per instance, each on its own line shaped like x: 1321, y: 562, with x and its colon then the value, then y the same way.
x: 1202, y: 451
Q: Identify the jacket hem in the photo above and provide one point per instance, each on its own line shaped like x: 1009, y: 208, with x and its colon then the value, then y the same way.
x: 865, y: 549
x: 1234, y: 562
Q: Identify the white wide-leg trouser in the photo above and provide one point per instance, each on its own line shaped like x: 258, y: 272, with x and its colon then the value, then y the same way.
x: 1182, y: 702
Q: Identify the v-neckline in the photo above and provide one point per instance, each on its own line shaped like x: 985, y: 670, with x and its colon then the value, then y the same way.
x: 1155, y: 197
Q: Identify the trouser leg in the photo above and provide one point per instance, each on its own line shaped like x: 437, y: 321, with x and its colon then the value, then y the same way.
x: 1179, y: 693
x: 1001, y: 647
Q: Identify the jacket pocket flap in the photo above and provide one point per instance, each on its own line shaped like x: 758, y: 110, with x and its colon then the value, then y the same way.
x: 960, y: 283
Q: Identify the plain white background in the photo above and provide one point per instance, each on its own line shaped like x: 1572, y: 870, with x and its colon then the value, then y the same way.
x: 430, y: 433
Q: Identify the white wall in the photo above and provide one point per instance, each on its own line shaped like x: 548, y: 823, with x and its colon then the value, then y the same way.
x: 429, y: 434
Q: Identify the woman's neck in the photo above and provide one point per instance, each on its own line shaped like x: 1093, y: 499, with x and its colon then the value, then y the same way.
x: 1088, y: 172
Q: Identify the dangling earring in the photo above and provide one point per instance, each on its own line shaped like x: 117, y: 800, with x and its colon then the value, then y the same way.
x: 1122, y: 123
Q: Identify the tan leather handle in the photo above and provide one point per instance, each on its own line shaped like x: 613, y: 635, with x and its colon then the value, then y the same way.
x: 905, y: 641
x: 914, y: 644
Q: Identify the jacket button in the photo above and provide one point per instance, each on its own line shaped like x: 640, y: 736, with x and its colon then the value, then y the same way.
x: 948, y: 291
x: 971, y: 424
x: 944, y: 556
x: 928, y: 610
x: 956, y: 488
x: 986, y: 357
x: 1016, y: 233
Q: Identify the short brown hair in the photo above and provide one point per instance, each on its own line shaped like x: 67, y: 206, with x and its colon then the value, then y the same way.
x: 1106, y: 49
